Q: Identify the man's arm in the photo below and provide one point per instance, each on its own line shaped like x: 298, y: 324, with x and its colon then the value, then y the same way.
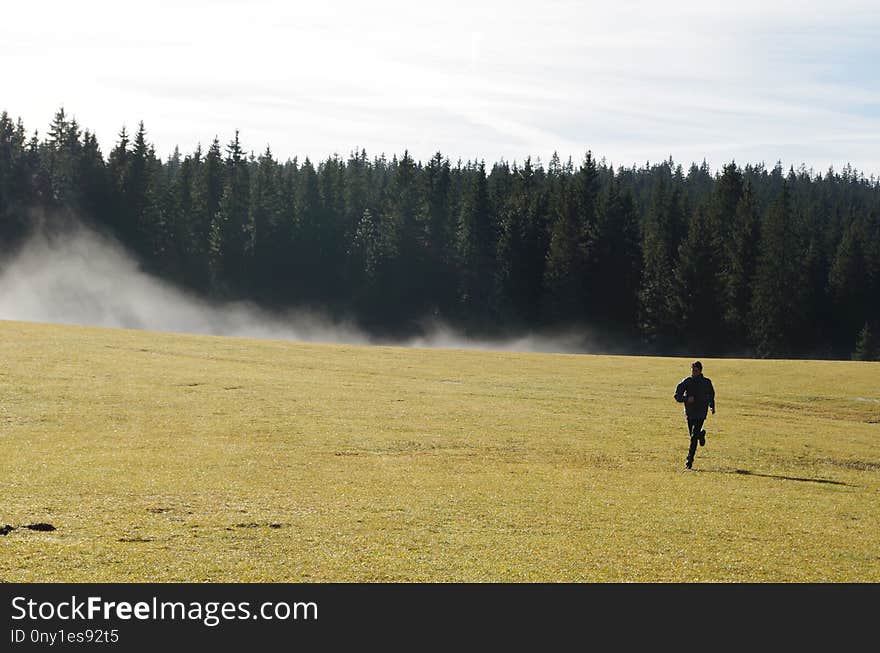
x: 712, y: 397
x: 679, y: 392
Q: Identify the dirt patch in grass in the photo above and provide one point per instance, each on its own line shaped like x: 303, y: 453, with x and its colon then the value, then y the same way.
x: 135, y: 539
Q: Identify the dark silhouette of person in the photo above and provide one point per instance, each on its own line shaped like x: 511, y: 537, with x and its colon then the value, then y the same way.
x: 698, y: 396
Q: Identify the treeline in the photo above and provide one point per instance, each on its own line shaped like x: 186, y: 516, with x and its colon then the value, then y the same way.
x: 748, y: 261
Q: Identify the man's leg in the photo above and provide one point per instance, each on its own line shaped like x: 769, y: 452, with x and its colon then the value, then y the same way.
x: 694, y: 433
x: 699, y: 432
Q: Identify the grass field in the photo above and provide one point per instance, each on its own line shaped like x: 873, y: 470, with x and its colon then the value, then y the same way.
x: 162, y: 457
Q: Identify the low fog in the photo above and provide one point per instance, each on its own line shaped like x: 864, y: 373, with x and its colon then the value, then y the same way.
x: 83, y: 278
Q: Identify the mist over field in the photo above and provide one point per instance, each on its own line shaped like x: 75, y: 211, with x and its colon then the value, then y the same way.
x: 77, y: 276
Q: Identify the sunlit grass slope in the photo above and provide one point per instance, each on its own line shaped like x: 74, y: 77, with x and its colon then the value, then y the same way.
x: 161, y: 457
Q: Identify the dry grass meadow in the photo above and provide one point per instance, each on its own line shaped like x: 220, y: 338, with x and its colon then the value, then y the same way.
x: 162, y: 457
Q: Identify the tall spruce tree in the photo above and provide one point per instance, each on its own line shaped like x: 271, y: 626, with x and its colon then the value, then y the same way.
x: 234, y: 251
x: 60, y: 159
x: 739, y: 272
x: 521, y: 248
x: 310, y: 248
x: 439, y: 237
x: 139, y: 196
x: 618, y: 259
x: 867, y: 344
x: 331, y: 183
x: 587, y: 184
x: 850, y: 285
x: 208, y: 182
x: 266, y: 220
x: 119, y: 170
x: 659, y: 305
x: 356, y: 198
x: 179, y: 204
x: 565, y: 269
x: 726, y: 194
x: 403, y: 229
x: 16, y: 190
x: 476, y: 246
x: 777, y: 310
x: 698, y: 286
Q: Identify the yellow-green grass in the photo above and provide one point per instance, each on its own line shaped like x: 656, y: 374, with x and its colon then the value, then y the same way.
x: 166, y: 457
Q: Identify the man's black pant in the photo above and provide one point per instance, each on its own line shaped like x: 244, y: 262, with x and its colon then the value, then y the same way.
x: 695, y: 426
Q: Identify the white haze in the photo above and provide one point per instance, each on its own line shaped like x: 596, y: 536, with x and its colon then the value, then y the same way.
x: 79, y: 277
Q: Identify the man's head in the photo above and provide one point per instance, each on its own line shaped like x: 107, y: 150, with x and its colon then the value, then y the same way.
x: 696, y: 368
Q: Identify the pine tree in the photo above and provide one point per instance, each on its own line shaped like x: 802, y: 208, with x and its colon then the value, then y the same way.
x: 16, y: 181
x: 400, y: 270
x: 739, y: 274
x: 849, y: 283
x: 618, y: 259
x: 8, y: 154
x: 178, y: 209
x: 208, y: 183
x: 331, y: 181
x: 92, y: 179
x: 777, y: 311
x: 867, y: 345
x: 236, y: 231
x: 367, y: 250
x: 565, y: 270
x: 872, y: 252
x: 119, y: 170
x: 586, y: 197
x: 476, y: 246
x: 355, y: 196
x: 659, y: 306
x: 698, y: 287
x: 138, y: 197
x: 511, y: 251
x: 148, y: 231
x: 310, y: 248
x: 521, y: 248
x: 61, y: 161
x: 402, y: 214
x: 356, y: 190
x: 288, y: 230
x: 266, y: 218
x: 726, y: 195
x: 439, y: 237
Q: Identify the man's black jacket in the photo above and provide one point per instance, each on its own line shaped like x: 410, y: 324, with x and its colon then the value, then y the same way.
x: 700, y: 388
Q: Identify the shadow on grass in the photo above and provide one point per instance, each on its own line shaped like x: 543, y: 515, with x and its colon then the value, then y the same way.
x: 746, y: 472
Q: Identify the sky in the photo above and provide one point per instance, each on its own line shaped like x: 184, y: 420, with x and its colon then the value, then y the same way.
x: 634, y: 82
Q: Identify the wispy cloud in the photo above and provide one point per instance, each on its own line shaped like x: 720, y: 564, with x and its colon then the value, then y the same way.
x: 633, y: 81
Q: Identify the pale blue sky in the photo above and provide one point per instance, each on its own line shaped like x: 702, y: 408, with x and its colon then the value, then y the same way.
x: 634, y: 82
